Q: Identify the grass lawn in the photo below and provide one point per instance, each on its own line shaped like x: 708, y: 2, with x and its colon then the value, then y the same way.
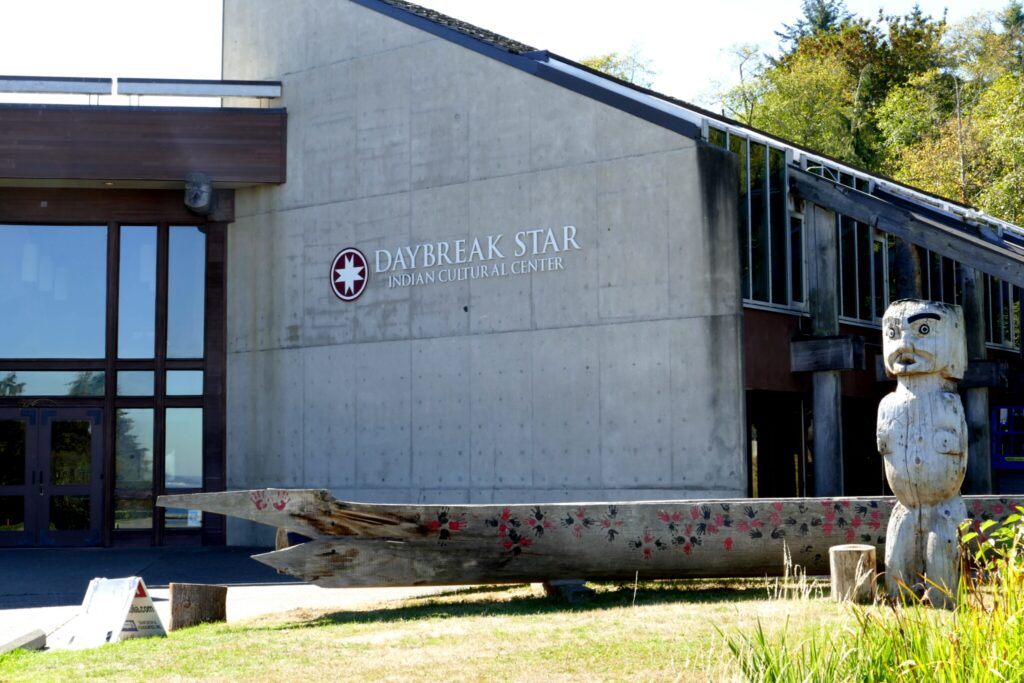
x: 671, y: 632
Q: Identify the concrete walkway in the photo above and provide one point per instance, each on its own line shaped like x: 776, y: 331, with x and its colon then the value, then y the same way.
x: 43, y: 588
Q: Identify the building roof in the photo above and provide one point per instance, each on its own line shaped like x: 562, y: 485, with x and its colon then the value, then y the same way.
x: 499, y: 41
x: 693, y: 121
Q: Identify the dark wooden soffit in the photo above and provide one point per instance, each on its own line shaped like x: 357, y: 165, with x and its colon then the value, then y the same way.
x: 967, y: 244
x: 37, y: 205
x: 140, y: 146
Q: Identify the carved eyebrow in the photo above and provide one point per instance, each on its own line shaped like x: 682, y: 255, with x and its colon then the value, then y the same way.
x: 924, y: 316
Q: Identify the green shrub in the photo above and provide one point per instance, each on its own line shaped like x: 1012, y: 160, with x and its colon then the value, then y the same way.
x: 982, y: 639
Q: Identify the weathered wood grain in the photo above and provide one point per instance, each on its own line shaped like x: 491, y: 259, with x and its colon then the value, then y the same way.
x: 827, y: 353
x: 852, y: 570
x: 197, y: 603
x: 995, y: 258
x: 359, y: 544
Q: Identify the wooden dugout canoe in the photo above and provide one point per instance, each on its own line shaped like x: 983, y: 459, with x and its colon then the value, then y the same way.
x: 365, y: 545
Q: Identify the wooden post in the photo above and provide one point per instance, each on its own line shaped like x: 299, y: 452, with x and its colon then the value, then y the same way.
x: 976, y: 407
x: 853, y: 572
x: 197, y: 603
x: 568, y: 590
x: 822, y: 276
x: 909, y: 273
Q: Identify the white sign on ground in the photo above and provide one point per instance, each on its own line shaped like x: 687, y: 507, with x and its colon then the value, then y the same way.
x: 114, y: 610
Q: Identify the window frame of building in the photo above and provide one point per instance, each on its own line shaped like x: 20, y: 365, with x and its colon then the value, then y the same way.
x: 163, y: 216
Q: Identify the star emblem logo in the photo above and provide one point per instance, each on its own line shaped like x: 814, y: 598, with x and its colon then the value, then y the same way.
x: 349, y: 274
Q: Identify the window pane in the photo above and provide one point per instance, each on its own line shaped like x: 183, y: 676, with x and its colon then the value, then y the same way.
x: 933, y: 286
x: 70, y: 452
x: 12, y: 513
x: 1016, y: 316
x: 948, y: 280
x: 777, y: 221
x: 759, y: 247
x: 52, y: 383
x: 133, y: 463
x: 69, y: 513
x: 12, y: 453
x: 181, y: 518
x: 184, y: 382
x: 890, y: 254
x: 848, y: 266
x: 716, y: 137
x: 988, y: 310
x: 134, y: 383
x: 878, y: 252
x: 739, y: 147
x: 185, y: 292
x: 137, y: 293
x: 133, y: 469
x: 53, y: 289
x: 183, y: 462
x: 796, y: 258
x: 1005, y: 292
x: 864, y: 264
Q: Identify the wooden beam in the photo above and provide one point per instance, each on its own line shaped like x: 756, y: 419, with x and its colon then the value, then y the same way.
x: 130, y: 146
x: 79, y: 205
x: 361, y: 544
x: 979, y: 374
x: 826, y: 385
x: 827, y: 353
x: 982, y: 374
x: 996, y: 259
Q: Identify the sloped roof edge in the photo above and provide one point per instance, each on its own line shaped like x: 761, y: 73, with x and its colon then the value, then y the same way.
x: 658, y: 108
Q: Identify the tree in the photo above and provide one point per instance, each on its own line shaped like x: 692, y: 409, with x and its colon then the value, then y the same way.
x: 809, y: 102
x: 999, y: 120
x: 86, y: 383
x: 819, y: 16
x: 1012, y: 19
x: 133, y: 462
x: 913, y: 112
x: 10, y: 386
x: 742, y: 99
x: 630, y: 67
x: 976, y: 50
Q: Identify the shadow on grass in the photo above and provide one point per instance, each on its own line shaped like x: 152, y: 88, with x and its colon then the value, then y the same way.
x: 511, y: 601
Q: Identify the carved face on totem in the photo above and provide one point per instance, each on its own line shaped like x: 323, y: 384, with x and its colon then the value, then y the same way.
x: 924, y: 337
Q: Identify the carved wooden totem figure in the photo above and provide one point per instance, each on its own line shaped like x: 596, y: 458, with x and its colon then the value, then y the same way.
x: 922, y: 436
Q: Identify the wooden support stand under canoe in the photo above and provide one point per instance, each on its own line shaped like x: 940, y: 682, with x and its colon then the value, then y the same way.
x: 852, y: 569
x: 197, y: 603
x: 363, y: 545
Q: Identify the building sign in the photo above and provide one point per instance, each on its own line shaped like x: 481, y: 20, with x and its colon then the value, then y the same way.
x: 113, y: 610
x: 498, y: 255
x: 349, y: 274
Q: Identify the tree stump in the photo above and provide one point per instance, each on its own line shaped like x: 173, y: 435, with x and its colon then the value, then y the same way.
x: 197, y: 603
x: 853, y: 572
x: 569, y: 590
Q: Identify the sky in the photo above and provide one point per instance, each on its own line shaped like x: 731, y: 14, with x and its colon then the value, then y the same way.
x: 687, y: 42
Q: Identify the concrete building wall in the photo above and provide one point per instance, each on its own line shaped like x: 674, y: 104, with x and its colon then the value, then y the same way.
x: 617, y: 376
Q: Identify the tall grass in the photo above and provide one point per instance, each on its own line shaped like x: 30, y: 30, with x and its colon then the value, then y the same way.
x: 981, y: 639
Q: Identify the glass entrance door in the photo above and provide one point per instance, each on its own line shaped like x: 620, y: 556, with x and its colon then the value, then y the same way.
x: 50, y: 476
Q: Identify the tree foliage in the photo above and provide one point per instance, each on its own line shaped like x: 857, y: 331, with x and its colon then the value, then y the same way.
x: 937, y: 106
x: 819, y: 16
x: 630, y: 66
x: 10, y: 386
x: 809, y: 102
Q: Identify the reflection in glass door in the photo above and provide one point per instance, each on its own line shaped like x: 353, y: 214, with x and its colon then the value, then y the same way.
x: 50, y: 476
